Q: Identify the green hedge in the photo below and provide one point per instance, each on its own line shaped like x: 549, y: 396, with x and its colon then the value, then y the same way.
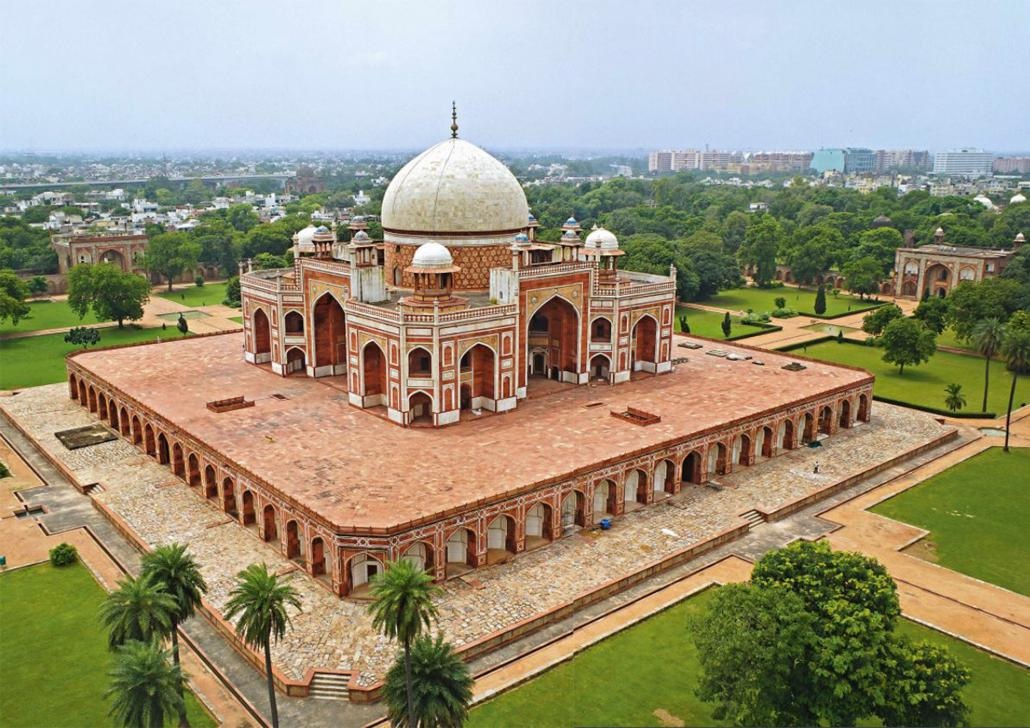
x: 936, y: 411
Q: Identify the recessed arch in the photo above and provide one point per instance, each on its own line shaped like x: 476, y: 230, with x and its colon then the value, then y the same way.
x: 601, y: 329
x: 137, y: 431
x: 329, y: 335
x: 248, y: 514
x: 462, y: 554
x: 573, y: 511
x: 102, y: 406
x: 124, y: 423
x: 419, y: 555
x: 420, y: 362
x: 362, y: 569
x: 645, y: 343
x: 210, y: 482
x: 420, y: 408
x: 178, y: 461
x: 691, y: 470
x: 635, y: 487
x: 229, y: 498
x: 500, y: 539
x: 373, y: 368
x: 600, y: 366
x: 164, y: 453
x: 270, y: 532
x: 293, y: 323
x: 479, y: 373
x: 826, y: 420
x: 73, y: 386
x: 149, y: 443
x: 664, y: 480
x: 605, y: 497
x: 538, y: 525
x: 844, y: 418
x: 262, y: 332
x: 295, y: 361
x: 318, y: 563
x: 863, y: 407
x: 193, y: 470
x: 553, y: 334
x: 294, y: 543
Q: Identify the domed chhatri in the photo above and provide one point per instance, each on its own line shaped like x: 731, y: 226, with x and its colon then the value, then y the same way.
x: 1017, y: 198
x: 432, y: 255
x: 601, y: 239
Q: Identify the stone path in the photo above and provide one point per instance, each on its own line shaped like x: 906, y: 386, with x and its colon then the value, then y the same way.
x: 336, y: 634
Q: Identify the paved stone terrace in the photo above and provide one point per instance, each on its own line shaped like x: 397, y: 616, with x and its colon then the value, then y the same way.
x: 355, y: 469
x: 336, y: 634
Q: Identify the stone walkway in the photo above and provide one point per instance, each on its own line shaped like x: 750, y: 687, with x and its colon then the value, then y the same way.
x: 335, y: 634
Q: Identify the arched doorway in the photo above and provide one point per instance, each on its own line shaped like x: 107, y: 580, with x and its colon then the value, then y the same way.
x: 363, y: 569
x: 478, y: 374
x: 330, y: 336
x: 137, y: 431
x: 844, y: 419
x: 742, y: 450
x: 113, y: 411
x: 785, y: 435
x: 604, y: 500
x: 148, y: 441
x: 765, y: 442
x: 114, y: 257
x: 178, y: 462
x: 645, y: 344
x: 718, y: 459
x: 102, y: 406
x: 826, y: 420
x: 293, y: 323
x: 635, y: 491
x: 318, y: 565
x: 461, y: 552
x: 210, y: 482
x: 601, y: 330
x: 420, y: 362
x: 420, y: 409
x: 293, y: 543
x: 691, y: 471
x: 937, y: 279
x: 92, y: 399
x: 600, y: 367
x: 538, y: 525
x: 664, y: 480
x: 573, y: 512
x: 83, y: 399
x: 262, y: 333
x: 163, y: 452
x: 863, y: 408
x: 807, y: 428
x: 419, y: 555
x: 193, y: 470
x: 295, y: 361
x: 553, y: 333
x: 270, y: 531
x: 373, y: 367
x: 73, y: 387
x: 465, y: 396
x: 124, y: 425
x: 229, y: 498
x: 500, y: 539
x: 249, y: 515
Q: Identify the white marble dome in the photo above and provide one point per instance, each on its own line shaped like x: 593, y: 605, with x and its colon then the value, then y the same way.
x: 985, y: 201
x: 602, y: 239
x: 304, y: 239
x: 454, y: 187
x: 432, y: 255
x: 1018, y: 197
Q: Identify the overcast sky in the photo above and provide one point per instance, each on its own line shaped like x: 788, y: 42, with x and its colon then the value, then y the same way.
x: 336, y: 74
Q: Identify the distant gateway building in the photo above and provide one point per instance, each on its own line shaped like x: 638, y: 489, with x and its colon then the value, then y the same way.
x: 935, y: 269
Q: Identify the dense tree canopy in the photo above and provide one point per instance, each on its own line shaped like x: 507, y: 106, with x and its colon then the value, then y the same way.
x: 907, y: 342
x: 13, y: 292
x: 170, y: 254
x: 112, y: 294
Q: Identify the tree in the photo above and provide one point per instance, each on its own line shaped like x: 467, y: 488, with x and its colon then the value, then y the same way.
x: 954, y: 400
x: 972, y: 302
x: 880, y: 245
x: 232, y: 292
x: 863, y: 276
x: 145, y: 688
x: 1016, y: 349
x: 82, y: 336
x: 137, y: 610
x: 726, y: 325
x: 37, y: 286
x: 714, y: 268
x: 169, y: 254
x: 112, y: 294
x: 987, y: 336
x: 820, y: 301
x: 762, y: 242
x: 242, y: 217
x: 906, y: 341
x: 924, y: 686
x: 875, y: 322
x: 933, y: 312
x: 258, y: 602
x: 178, y: 574
x: 441, y: 685
x: 402, y: 607
x: 780, y: 302
x: 13, y: 293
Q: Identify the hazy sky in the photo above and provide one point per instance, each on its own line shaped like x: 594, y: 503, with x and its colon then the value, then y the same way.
x: 336, y: 74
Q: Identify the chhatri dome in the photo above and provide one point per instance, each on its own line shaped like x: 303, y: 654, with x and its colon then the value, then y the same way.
x: 432, y: 255
x: 454, y: 187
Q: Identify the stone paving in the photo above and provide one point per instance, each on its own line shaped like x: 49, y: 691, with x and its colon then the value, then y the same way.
x: 336, y: 634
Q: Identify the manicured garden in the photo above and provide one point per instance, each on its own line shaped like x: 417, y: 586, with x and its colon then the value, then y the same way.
x: 801, y: 300
x: 47, y: 315
x: 924, y: 384
x: 709, y: 323
x: 34, y: 360
x: 54, y: 653
x: 208, y: 294
x: 653, y: 666
x: 976, y: 513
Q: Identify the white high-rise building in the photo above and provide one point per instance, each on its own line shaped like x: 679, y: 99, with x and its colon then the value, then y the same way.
x: 963, y: 163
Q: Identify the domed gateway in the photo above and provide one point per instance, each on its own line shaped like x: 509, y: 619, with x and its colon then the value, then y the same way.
x: 455, y: 318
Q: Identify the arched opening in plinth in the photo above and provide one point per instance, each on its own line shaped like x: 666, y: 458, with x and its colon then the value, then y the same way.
x: 295, y: 361
x: 553, y: 334
x: 330, y: 335
x: 419, y: 555
x: 573, y: 512
x: 420, y: 409
x: 634, y: 492
x: 73, y: 387
x: 249, y: 516
x: 826, y: 420
x: 844, y: 419
x: 294, y: 545
x: 600, y: 367
x: 765, y: 442
x: 124, y: 424
x: 92, y: 399
x: 149, y: 443
x: 137, y: 431
x: 363, y: 569
x: 863, y: 408
x: 645, y: 344
x: 262, y: 333
x: 178, y: 462
x: 164, y: 453
x: 718, y: 459
x: 741, y: 449
x: 538, y: 526
x: 691, y: 470
x: 229, y: 498
x: 113, y: 412
x: 373, y: 367
x: 193, y: 470
x: 785, y: 436
x: 270, y: 531
x: 461, y: 552
x: 210, y: 482
x: 83, y: 398
x: 500, y: 539
x: 102, y: 406
x: 807, y: 428
x: 664, y: 480
x: 605, y: 500
x: 318, y: 561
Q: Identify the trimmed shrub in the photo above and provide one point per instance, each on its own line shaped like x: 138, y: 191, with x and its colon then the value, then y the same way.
x: 5, y: 472
x: 783, y: 313
x: 199, y: 280
x: 63, y: 554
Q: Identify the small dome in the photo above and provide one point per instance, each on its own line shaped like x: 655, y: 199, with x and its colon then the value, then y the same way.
x: 939, y: 232
x: 321, y: 229
x: 602, y: 239
x: 532, y: 218
x: 1020, y: 239
x: 1016, y: 198
x: 306, y: 235
x: 432, y: 255
x: 569, y: 235
x: 521, y: 238
x: 985, y: 201
x: 361, y: 237
x: 571, y: 221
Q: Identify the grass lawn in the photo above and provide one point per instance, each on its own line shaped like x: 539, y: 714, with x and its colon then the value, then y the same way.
x: 709, y: 323
x: 651, y: 666
x: 947, y: 338
x: 35, y: 360
x: 976, y: 513
x: 208, y: 294
x: 47, y: 315
x: 54, y: 651
x: 237, y: 319
x: 924, y: 384
x: 801, y: 300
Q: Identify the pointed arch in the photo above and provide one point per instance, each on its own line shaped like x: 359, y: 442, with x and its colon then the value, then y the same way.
x: 644, y: 346
x: 373, y: 369
x: 261, y: 331
x: 553, y: 334
x: 329, y: 335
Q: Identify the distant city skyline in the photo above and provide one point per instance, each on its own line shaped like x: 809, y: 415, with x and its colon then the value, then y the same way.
x: 603, y: 76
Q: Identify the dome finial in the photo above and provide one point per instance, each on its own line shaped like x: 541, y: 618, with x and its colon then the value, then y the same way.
x: 454, y: 120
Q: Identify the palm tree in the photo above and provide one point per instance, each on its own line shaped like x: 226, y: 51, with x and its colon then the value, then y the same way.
x: 954, y: 399
x: 145, y: 687
x: 179, y: 575
x: 1016, y: 350
x: 258, y: 603
x: 137, y: 610
x: 442, y: 686
x: 402, y: 607
x: 987, y: 337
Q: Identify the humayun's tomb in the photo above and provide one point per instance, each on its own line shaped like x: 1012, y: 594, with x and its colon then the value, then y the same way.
x: 456, y: 393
